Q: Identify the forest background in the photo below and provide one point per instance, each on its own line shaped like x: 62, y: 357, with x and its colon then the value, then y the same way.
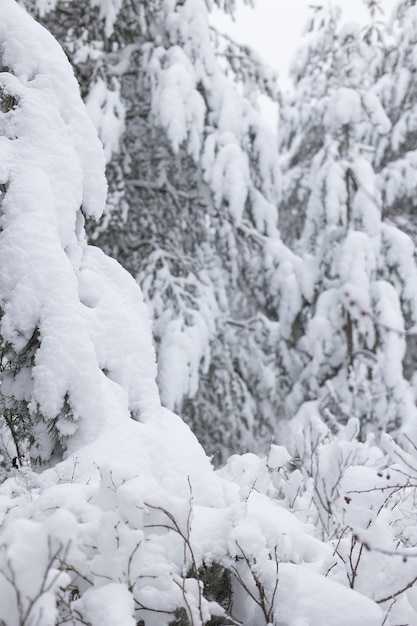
x: 279, y: 274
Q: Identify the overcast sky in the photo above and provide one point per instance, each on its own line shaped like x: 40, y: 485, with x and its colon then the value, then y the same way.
x: 274, y: 28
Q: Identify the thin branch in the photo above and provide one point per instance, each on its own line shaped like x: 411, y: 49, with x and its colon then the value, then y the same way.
x: 397, y: 593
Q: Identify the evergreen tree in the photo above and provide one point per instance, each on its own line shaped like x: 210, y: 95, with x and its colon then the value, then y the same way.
x: 395, y: 155
x: 317, y: 70
x: 314, y: 74
x: 396, y: 88
x: 194, y: 184
x: 59, y: 296
x: 350, y: 313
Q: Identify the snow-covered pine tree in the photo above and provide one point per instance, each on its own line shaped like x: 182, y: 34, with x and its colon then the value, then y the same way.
x: 355, y: 288
x: 301, y: 129
x: 44, y: 315
x: 396, y: 88
x: 193, y: 181
x: 315, y: 73
x: 129, y: 522
x: 395, y: 156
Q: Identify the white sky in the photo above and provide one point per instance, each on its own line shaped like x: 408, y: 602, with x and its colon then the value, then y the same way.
x: 274, y: 28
